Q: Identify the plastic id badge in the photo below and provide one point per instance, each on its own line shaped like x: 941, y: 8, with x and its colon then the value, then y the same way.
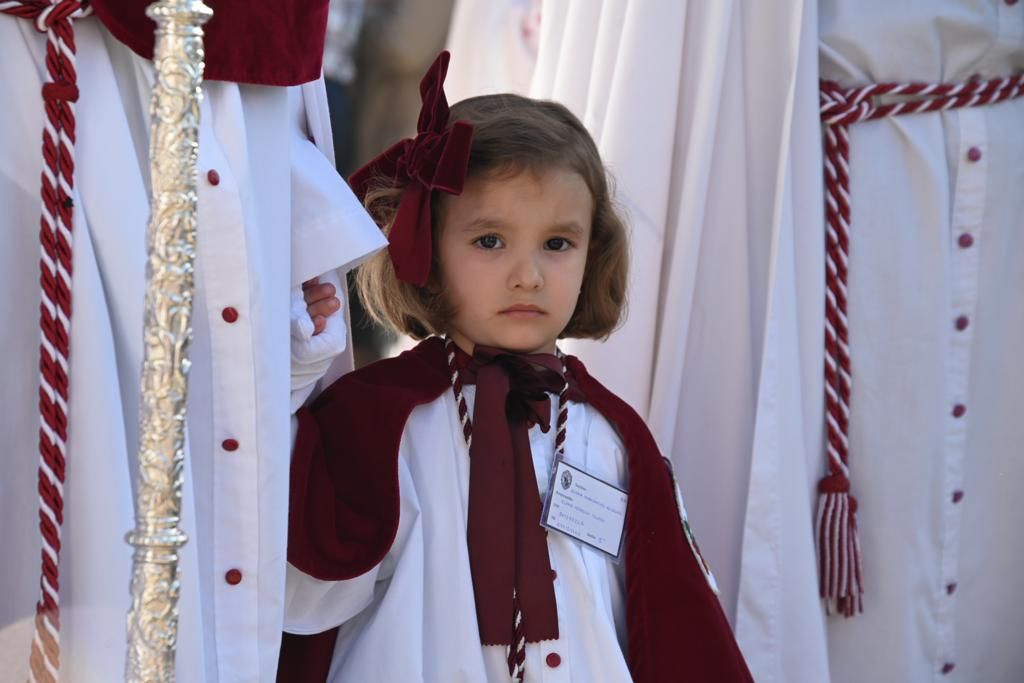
x: 585, y: 508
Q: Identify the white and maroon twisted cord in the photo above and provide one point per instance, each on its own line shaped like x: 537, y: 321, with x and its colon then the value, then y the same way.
x: 516, y: 653
x: 563, y: 412
x: 842, y: 107
x: 54, y: 18
x: 840, y: 574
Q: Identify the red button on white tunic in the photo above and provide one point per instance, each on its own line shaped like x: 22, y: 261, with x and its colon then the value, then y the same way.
x: 229, y: 445
x: 233, y: 577
x: 962, y: 322
x: 965, y: 240
x: 974, y: 154
x: 950, y: 588
x: 958, y: 496
x: 230, y: 314
x: 959, y: 409
x: 553, y: 659
x: 948, y: 667
x: 213, y: 177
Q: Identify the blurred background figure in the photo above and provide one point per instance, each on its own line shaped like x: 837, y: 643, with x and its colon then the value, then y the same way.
x: 376, y: 53
x: 400, y: 39
x: 344, y: 23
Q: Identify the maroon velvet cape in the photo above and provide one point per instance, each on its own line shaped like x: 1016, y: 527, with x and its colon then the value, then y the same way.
x: 264, y: 42
x: 344, y: 511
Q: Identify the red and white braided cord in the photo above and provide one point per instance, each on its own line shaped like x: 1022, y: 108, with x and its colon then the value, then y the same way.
x: 516, y: 653
x: 55, y: 235
x: 843, y: 107
x: 840, y: 573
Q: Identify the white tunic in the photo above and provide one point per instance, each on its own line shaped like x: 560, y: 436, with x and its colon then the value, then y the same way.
x: 278, y: 216
x: 940, y: 504
x: 413, y: 617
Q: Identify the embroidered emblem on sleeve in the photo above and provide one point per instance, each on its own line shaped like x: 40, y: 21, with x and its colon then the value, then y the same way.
x: 688, y: 532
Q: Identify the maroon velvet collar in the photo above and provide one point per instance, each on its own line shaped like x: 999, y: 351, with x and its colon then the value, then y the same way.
x: 344, y: 512
x: 263, y: 42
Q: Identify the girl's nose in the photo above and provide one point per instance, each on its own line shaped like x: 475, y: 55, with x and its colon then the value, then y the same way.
x: 526, y: 274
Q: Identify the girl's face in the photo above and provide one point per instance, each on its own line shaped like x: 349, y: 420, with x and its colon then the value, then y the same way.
x: 512, y: 254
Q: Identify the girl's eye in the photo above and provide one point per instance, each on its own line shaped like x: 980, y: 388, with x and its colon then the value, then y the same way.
x: 558, y: 244
x: 488, y: 242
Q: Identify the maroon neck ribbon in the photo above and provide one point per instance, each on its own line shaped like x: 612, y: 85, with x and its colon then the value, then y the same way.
x: 507, y: 546
x: 436, y: 159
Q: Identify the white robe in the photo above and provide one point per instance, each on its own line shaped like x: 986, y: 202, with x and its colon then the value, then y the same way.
x: 941, y: 577
x: 278, y: 216
x: 413, y: 617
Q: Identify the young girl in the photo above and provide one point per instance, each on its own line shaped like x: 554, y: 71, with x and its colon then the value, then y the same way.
x: 420, y: 484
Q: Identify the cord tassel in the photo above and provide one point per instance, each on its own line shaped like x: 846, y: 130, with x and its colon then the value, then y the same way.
x: 839, y: 566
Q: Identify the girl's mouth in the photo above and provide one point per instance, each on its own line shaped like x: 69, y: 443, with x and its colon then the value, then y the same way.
x: 523, y: 311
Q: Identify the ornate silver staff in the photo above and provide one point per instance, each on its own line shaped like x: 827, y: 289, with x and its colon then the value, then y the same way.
x: 171, y: 237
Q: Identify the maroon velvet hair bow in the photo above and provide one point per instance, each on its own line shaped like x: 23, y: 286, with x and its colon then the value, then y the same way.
x: 436, y: 159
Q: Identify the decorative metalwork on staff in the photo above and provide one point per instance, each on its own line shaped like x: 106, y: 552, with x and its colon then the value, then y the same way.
x: 173, y: 150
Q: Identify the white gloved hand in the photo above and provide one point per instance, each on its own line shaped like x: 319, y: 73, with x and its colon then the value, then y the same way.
x: 313, y: 352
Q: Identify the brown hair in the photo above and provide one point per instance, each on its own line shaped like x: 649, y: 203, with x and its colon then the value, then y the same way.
x: 510, y: 134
